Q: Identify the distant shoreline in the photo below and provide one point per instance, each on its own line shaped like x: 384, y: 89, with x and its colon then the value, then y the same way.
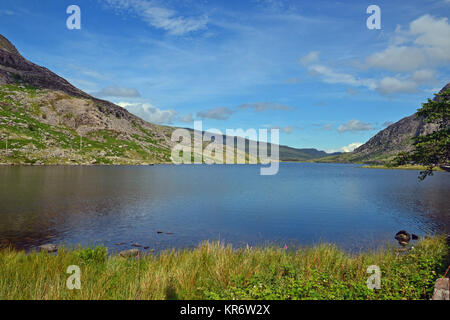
x: 405, y: 167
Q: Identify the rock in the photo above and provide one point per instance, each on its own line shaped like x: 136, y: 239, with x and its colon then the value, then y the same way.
x: 129, y: 253
x: 120, y: 243
x: 136, y: 245
x: 414, y: 236
x: 442, y: 289
x: 403, y: 243
x: 146, y: 247
x: 169, y: 233
x: 48, y: 247
x: 159, y: 232
x: 402, y: 236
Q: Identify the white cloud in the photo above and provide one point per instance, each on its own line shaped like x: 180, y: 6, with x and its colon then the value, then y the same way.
x: 434, y: 35
x: 349, y: 148
x: 397, y: 59
x: 390, y: 85
x: 355, y: 125
x: 115, y: 91
x: 424, y: 76
x: 331, y: 76
x: 160, y: 17
x: 218, y: 113
x: 150, y: 113
x: 425, y: 43
x: 311, y: 57
x: 264, y: 106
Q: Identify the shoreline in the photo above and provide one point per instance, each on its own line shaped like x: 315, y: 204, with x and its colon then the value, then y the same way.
x: 405, y: 167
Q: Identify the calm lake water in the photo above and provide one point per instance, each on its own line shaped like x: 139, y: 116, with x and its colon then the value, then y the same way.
x: 303, y: 204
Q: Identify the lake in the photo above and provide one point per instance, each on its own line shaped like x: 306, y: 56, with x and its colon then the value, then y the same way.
x: 305, y: 203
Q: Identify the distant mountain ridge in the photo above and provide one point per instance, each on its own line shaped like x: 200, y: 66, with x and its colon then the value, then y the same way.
x: 46, y: 120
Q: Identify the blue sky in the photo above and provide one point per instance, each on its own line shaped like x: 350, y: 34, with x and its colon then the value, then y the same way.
x: 311, y: 68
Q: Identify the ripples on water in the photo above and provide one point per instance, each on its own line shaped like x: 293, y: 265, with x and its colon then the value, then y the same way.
x: 303, y: 204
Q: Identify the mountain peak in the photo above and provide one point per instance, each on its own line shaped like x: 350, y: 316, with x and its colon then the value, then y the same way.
x: 6, y: 45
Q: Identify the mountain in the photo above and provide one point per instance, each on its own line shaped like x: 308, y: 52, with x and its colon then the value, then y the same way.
x: 46, y: 120
x: 388, y: 142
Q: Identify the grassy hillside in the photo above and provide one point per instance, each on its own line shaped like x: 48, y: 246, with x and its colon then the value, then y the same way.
x: 40, y: 126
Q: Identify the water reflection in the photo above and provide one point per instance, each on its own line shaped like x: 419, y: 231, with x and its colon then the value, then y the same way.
x: 303, y: 204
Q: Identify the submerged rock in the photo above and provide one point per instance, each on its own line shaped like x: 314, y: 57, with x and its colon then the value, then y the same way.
x: 414, y: 236
x: 48, y: 247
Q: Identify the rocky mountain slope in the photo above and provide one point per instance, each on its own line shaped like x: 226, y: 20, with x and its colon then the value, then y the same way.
x: 46, y: 120
x: 388, y: 142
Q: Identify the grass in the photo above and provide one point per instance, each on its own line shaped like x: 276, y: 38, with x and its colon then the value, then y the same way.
x: 217, y: 271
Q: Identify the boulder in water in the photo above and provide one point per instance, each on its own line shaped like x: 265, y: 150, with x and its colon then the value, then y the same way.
x: 403, y: 236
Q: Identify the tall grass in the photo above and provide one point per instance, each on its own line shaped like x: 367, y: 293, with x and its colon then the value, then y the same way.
x: 217, y: 271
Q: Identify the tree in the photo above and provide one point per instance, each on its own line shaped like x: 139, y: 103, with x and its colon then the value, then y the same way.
x: 431, y: 150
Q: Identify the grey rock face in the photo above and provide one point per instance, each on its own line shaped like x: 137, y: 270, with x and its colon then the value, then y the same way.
x: 396, y: 137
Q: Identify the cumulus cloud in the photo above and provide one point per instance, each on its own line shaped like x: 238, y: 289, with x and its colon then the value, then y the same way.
x: 354, y: 126
x: 218, y: 113
x: 160, y: 17
x: 389, y: 85
x: 263, y: 106
x: 411, y: 57
x: 349, y: 148
x: 424, y: 76
x: 150, y: 113
x: 398, y: 59
x: 115, y: 91
x: 425, y: 42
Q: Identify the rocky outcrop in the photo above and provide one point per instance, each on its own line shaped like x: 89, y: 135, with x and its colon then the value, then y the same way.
x: 387, y: 143
x: 395, y: 138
